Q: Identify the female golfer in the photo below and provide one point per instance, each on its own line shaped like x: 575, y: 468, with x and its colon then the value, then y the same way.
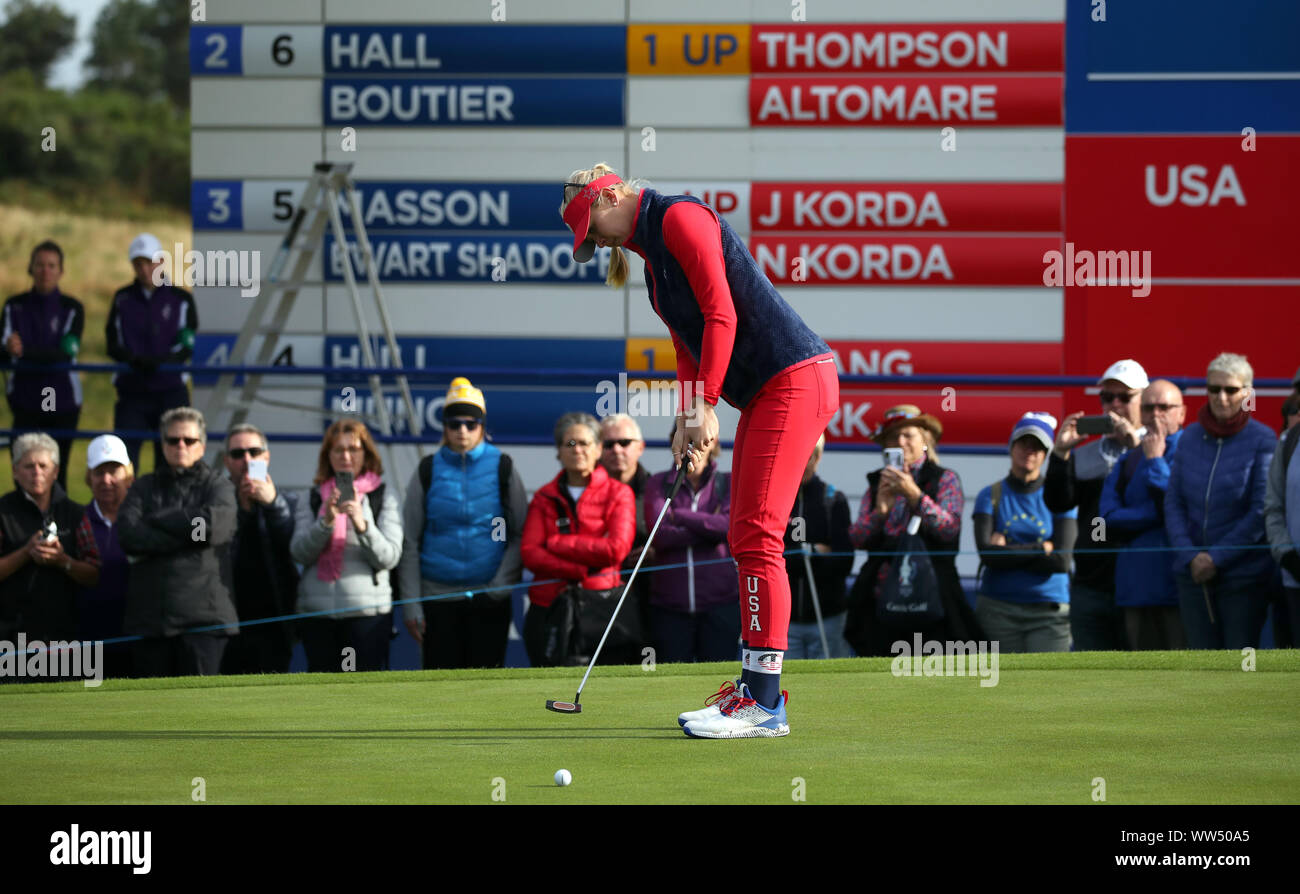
x: 737, y: 339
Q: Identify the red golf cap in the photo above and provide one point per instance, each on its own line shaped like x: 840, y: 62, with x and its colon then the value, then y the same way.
x: 577, y: 214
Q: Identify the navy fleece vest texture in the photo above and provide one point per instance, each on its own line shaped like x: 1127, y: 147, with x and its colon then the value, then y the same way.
x: 770, y: 337
x: 460, y: 508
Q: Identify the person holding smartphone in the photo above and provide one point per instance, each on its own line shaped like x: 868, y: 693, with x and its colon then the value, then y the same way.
x: 39, y: 574
x: 1076, y: 472
x: 911, y: 491
x: 348, y: 537
x: 263, y: 576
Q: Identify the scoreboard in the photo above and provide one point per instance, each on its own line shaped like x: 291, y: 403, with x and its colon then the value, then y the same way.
x: 897, y: 169
x: 1186, y: 146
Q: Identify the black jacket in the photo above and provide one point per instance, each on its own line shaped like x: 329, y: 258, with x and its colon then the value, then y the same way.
x: 38, y: 600
x: 866, y: 634
x: 1068, y: 485
x: 262, y: 570
x: 180, y: 572
x: 823, y: 521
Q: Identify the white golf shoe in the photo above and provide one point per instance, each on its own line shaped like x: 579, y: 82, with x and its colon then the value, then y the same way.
x: 726, y: 692
x: 742, y: 718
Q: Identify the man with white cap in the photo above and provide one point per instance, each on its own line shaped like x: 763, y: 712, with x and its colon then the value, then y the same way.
x: 151, y: 322
x: 1075, y: 477
x: 102, y: 599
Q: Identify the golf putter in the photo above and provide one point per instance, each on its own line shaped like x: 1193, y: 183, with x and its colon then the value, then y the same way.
x: 575, y: 706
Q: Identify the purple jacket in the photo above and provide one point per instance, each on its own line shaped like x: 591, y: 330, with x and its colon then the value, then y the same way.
x: 694, y: 531
x: 145, y: 332
x: 50, y: 329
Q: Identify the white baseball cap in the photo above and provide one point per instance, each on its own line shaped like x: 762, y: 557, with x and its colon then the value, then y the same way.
x: 1130, y: 372
x: 146, y: 245
x: 106, y: 449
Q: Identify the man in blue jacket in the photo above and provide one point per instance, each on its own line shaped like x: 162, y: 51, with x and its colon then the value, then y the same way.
x: 1132, y: 505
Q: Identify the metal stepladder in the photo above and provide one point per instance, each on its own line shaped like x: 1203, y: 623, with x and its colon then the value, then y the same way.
x: 319, y: 205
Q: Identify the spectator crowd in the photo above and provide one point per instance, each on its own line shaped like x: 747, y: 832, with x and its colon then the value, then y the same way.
x: 1129, y: 528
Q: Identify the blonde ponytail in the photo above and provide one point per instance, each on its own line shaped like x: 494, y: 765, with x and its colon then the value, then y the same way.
x: 618, y: 268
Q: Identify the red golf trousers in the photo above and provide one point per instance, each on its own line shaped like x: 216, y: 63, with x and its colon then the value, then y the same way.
x: 777, y: 432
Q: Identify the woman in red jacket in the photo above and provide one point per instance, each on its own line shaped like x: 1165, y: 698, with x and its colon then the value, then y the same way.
x: 579, y: 529
x: 737, y: 339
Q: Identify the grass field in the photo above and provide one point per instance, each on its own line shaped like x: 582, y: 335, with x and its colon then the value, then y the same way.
x: 1157, y: 727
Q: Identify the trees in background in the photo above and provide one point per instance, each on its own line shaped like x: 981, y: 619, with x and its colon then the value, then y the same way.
x: 143, y: 48
x: 126, y: 132
x: 33, y: 37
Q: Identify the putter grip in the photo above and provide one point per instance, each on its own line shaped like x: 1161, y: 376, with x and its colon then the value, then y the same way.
x: 681, y: 475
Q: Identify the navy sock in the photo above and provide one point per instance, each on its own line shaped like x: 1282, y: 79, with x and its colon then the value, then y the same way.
x: 744, y: 665
x: 765, y: 688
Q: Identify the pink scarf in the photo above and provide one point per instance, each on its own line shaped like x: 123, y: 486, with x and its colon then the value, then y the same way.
x: 329, y: 567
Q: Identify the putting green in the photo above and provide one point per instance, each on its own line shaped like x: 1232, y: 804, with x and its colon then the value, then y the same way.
x: 1173, y: 727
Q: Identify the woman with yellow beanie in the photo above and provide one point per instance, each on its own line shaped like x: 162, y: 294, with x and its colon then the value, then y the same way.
x: 463, y: 519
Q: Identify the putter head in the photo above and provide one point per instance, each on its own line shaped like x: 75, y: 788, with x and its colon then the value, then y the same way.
x: 563, y: 707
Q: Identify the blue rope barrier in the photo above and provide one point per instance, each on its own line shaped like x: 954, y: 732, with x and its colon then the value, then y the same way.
x: 479, y: 592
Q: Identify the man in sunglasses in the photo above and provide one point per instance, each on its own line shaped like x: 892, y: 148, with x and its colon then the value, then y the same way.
x: 1075, y: 476
x: 1132, y: 503
x: 175, y: 527
x: 622, y: 444
x: 263, y: 576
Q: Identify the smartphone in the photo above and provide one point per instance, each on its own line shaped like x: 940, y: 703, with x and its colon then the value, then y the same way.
x: 1094, y: 425
x: 257, y: 470
x: 51, y: 532
x: 343, y: 481
x: 894, y: 457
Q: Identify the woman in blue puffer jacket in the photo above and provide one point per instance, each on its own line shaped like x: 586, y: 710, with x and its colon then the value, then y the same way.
x: 1214, y: 514
x: 464, y: 519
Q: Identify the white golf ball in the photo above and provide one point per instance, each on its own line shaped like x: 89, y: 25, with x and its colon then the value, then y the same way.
x: 563, y: 777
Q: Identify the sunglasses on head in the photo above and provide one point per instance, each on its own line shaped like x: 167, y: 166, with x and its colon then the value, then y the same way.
x: 250, y: 452
x: 622, y: 442
x: 458, y: 424
x: 1123, y: 397
x: 1229, y: 390
x: 174, y: 442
